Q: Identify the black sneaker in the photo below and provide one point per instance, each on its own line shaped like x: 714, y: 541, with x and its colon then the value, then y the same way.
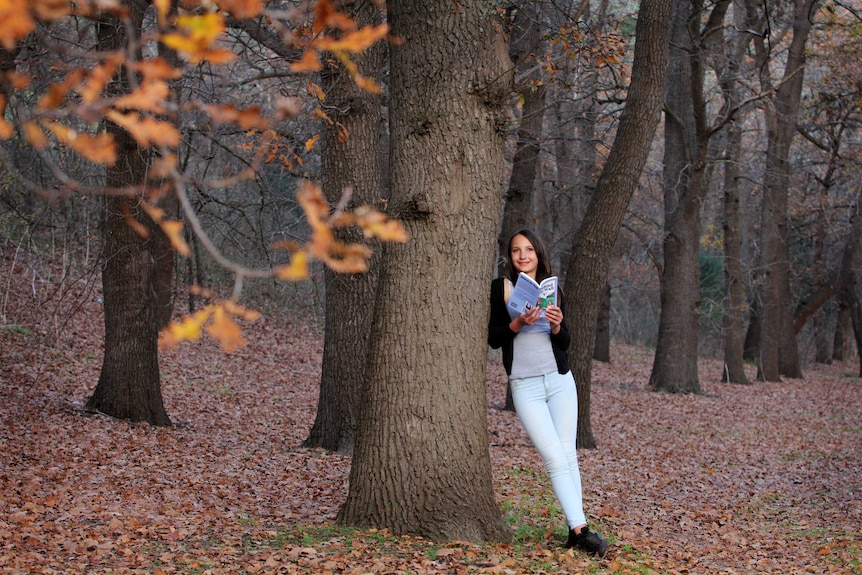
x: 587, y: 540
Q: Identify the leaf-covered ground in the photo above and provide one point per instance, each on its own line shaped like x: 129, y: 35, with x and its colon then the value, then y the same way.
x: 765, y: 478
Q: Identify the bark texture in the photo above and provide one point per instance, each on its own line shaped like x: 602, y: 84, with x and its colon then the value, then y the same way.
x: 728, y: 58
x: 778, y: 353
x: 587, y: 271
x: 421, y: 463
x: 136, y: 277
x: 350, y: 162
x: 675, y: 365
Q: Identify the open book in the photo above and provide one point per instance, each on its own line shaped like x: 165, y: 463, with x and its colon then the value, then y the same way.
x: 527, y: 293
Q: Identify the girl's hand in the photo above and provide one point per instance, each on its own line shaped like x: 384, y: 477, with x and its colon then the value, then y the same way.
x: 526, y: 318
x: 554, y: 314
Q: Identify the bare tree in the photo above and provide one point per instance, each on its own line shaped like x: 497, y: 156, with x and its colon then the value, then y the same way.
x: 778, y: 353
x: 351, y: 162
x: 137, y: 271
x: 593, y: 244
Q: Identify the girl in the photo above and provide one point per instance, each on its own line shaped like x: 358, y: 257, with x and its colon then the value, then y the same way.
x: 543, y: 389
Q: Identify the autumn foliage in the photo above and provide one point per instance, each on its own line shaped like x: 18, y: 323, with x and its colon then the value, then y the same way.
x: 72, y: 114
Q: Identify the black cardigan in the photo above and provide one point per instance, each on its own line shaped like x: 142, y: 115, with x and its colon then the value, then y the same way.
x: 500, y: 335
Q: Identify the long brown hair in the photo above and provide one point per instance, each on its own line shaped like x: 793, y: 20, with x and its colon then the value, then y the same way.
x: 543, y: 269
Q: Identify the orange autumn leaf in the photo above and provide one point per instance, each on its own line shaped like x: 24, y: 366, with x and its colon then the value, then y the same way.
x: 242, y: 9
x: 172, y: 228
x: 308, y: 63
x: 326, y: 15
x: 197, y: 34
x: 225, y: 330
x: 186, y: 329
x: 242, y: 311
x: 6, y: 129
x: 163, y: 8
x: 367, y: 84
x: 314, y: 90
x: 296, y: 270
x: 99, y: 148
x: 379, y: 225
x: 248, y: 119
x: 316, y: 209
x: 146, y: 131
x: 148, y: 97
x: 355, y: 42
x: 155, y: 69
x: 17, y: 22
x: 311, y: 142
x: 347, y: 258
x: 93, y: 85
x: 34, y: 135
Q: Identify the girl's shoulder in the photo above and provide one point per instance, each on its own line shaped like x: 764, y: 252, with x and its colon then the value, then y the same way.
x: 502, y: 286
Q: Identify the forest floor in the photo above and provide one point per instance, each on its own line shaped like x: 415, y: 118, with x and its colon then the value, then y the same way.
x: 764, y: 478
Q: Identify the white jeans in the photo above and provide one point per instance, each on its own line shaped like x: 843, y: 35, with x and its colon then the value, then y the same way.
x: 547, y: 406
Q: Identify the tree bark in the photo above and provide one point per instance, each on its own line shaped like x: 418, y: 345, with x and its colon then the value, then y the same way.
x: 136, y: 277
x: 421, y: 463
x: 350, y: 161
x: 728, y: 58
x: 587, y: 270
x: 602, y: 348
x: 675, y: 365
x: 848, y: 282
x: 778, y: 350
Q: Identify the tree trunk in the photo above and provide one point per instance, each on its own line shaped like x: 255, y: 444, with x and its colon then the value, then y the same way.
x: 587, y: 271
x: 751, y: 346
x: 778, y: 350
x: 728, y: 58
x: 518, y: 209
x: 421, y: 463
x: 675, y: 366
x: 351, y: 163
x: 525, y: 41
x: 136, y: 278
x: 736, y: 304
x: 602, y: 348
x: 843, y: 324
x: 848, y: 281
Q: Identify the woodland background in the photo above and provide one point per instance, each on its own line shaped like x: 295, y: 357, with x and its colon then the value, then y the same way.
x: 761, y: 479
x: 739, y: 241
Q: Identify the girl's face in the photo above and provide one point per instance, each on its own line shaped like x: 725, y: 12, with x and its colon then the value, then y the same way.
x: 523, y: 256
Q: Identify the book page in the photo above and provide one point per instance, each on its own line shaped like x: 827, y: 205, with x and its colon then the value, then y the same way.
x: 548, y: 292
x: 525, y: 294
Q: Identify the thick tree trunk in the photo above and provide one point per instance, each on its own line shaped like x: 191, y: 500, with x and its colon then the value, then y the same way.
x: 736, y: 304
x: 421, y: 463
x: 351, y: 164
x: 728, y: 58
x: 587, y: 271
x: 778, y: 350
x: 675, y: 365
x: 136, y: 281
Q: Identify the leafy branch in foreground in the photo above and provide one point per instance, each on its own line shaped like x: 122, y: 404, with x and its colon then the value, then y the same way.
x: 78, y: 110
